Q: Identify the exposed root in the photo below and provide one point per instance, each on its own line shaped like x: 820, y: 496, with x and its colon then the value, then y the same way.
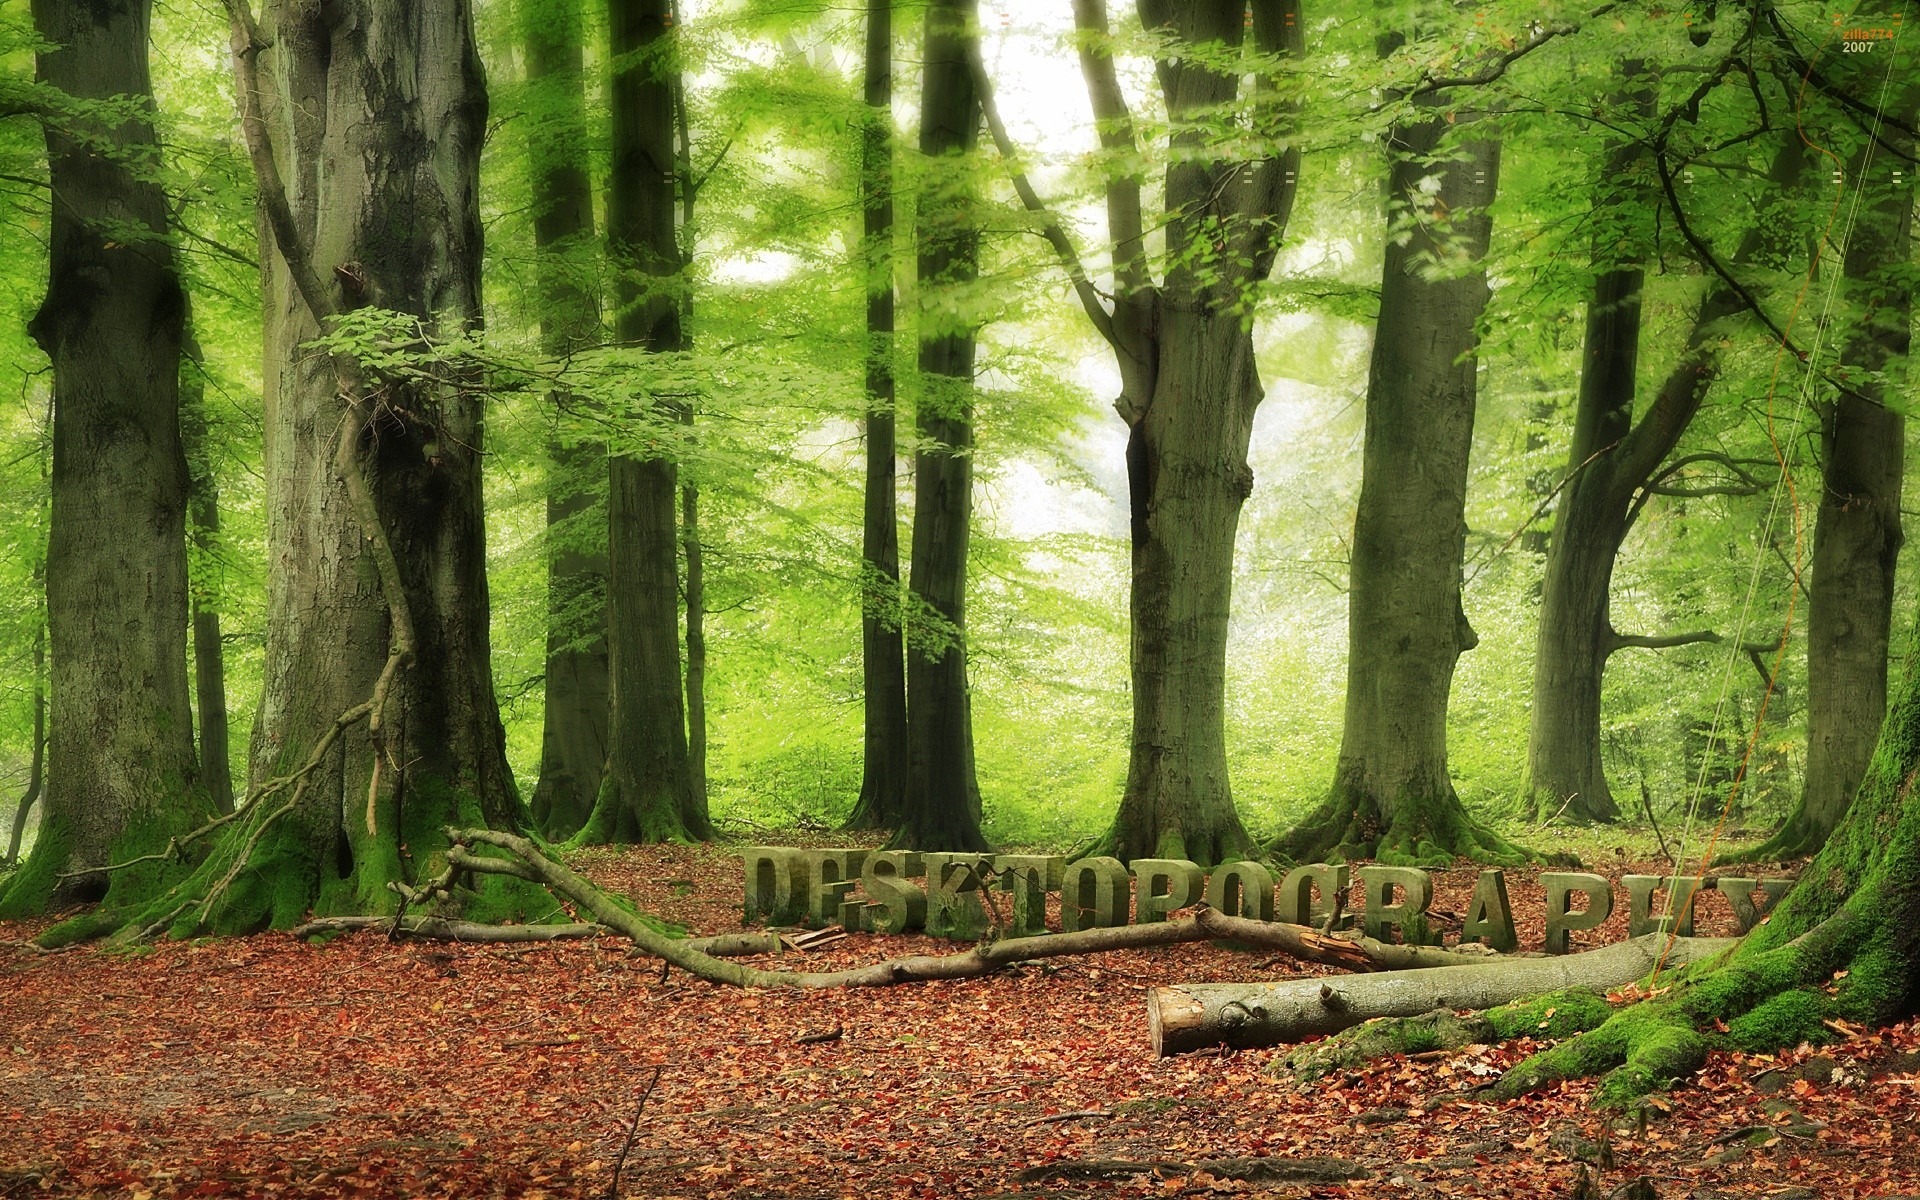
x: 1349, y: 825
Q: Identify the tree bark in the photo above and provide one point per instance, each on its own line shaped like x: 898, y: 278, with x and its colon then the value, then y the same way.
x: 1392, y: 797
x: 377, y: 694
x: 1612, y: 459
x: 942, y: 803
x: 36, y: 769
x: 203, y: 516
x: 883, y: 780
x: 1250, y: 1015
x: 121, y: 771
x: 648, y: 793
x: 1190, y: 386
x: 1857, y: 534
x: 573, y: 747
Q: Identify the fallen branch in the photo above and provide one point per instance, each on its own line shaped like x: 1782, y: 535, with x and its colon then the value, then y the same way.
x: 726, y: 945
x: 528, y: 861
x: 1247, y: 1015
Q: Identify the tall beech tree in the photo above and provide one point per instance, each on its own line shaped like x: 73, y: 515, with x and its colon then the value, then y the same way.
x: 120, y: 766
x: 942, y: 804
x: 377, y: 724
x: 1392, y: 796
x: 203, y: 519
x: 1615, y: 463
x: 1189, y: 383
x: 1857, y: 532
x: 883, y: 778
x: 648, y: 793
x: 573, y: 744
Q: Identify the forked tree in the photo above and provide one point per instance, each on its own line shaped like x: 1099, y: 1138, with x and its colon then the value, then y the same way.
x: 377, y: 723
x: 1189, y: 385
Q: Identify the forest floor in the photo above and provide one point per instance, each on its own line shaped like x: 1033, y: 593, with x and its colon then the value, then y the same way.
x: 266, y: 1066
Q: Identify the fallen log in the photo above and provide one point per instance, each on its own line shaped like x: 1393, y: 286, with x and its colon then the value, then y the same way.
x: 1249, y: 1015
x: 525, y: 860
x: 725, y: 945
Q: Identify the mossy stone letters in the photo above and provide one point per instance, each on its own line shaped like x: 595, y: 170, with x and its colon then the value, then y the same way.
x: 1563, y: 920
x: 959, y: 895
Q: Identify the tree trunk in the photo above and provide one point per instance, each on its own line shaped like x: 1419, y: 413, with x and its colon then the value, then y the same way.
x: 1392, y: 797
x: 1857, y: 534
x: 1188, y: 474
x: 1246, y: 1016
x: 942, y: 809
x: 121, y: 772
x: 1611, y: 460
x: 883, y: 780
x: 648, y: 794
x: 203, y: 516
x: 696, y: 646
x: 573, y: 747
x: 36, y: 770
x: 377, y: 603
x: 1189, y: 390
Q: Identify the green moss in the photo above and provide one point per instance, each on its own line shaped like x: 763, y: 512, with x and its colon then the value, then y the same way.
x: 30, y: 888
x: 1381, y: 1038
x: 1639, y: 1049
x: 1554, y: 1015
x: 1785, y: 1019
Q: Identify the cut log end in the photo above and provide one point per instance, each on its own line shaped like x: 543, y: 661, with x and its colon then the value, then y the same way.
x: 1172, y: 1016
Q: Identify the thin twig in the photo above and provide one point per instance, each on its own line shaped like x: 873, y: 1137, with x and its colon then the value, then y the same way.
x: 613, y: 1187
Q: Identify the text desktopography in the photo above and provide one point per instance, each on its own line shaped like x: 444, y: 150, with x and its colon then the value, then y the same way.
x: 966, y: 896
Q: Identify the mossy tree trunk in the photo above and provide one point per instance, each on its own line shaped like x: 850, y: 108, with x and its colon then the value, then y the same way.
x: 121, y: 773
x: 363, y: 211
x: 648, y: 794
x: 1189, y: 389
x: 573, y: 743
x: 942, y: 802
x: 1857, y: 533
x: 1613, y: 462
x: 883, y: 779
x: 1392, y: 797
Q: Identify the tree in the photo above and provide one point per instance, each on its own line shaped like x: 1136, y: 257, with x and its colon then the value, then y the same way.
x: 378, y: 724
x: 573, y: 748
x: 942, y: 805
x: 1189, y: 383
x: 1615, y: 464
x: 883, y: 779
x: 1857, y: 534
x: 203, y: 515
x: 121, y: 771
x: 648, y: 793
x: 1392, y: 796
x: 37, y: 764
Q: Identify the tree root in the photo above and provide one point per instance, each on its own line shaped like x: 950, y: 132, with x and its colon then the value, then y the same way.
x: 528, y: 861
x: 1349, y: 825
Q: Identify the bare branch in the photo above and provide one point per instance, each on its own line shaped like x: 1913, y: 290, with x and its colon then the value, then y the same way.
x: 266, y: 168
x: 1498, y: 67
x: 1050, y: 226
x: 1114, y: 121
x: 1625, y: 641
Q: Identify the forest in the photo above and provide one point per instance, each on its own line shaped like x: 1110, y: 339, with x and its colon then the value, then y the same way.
x: 488, y: 483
